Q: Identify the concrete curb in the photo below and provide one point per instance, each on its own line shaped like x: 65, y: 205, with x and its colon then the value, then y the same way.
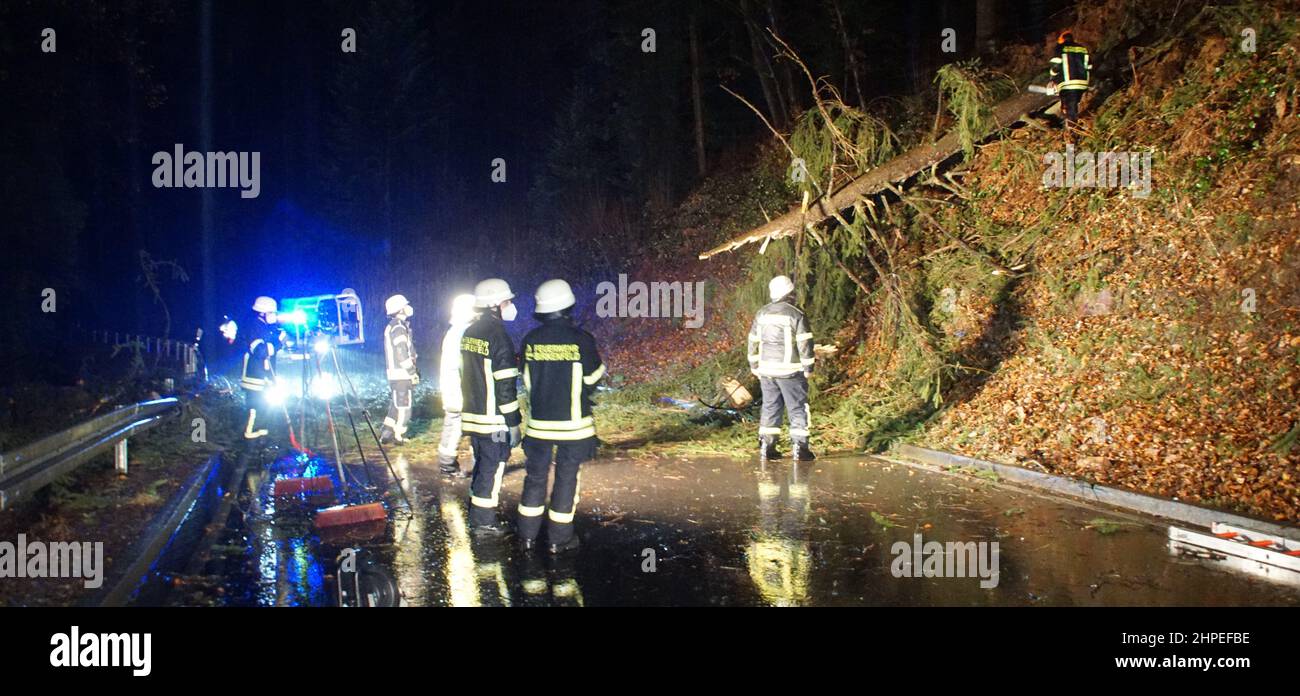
x: 1074, y: 488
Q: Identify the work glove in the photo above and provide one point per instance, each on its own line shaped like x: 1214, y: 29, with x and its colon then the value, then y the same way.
x: 516, y: 436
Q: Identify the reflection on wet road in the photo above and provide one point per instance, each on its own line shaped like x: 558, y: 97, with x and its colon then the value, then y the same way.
x: 725, y: 532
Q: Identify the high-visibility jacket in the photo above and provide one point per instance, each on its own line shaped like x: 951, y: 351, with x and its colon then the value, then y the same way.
x: 561, y: 368
x: 488, y: 370
x: 259, y: 358
x: 780, y: 342
x: 449, y: 364
x: 1071, y: 67
x: 399, y: 354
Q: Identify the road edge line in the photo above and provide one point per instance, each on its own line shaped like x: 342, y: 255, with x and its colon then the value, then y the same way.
x: 1075, y: 488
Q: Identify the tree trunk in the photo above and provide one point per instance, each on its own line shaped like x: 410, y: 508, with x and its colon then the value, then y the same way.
x: 850, y: 55
x: 701, y: 162
x: 784, y: 77
x: 881, y: 178
x: 775, y: 108
x: 986, y: 24
x: 207, y: 241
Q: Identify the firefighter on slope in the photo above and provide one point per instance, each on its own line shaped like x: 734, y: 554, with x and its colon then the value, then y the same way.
x: 1071, y: 68
x: 449, y: 364
x: 399, y: 364
x: 258, y: 375
x: 781, y: 356
x: 490, y: 405
x: 561, y: 368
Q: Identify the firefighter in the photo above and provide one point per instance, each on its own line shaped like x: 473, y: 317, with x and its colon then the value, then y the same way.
x: 399, y: 363
x: 462, y: 313
x: 781, y: 356
x: 489, y: 401
x: 561, y: 368
x: 1071, y: 67
x: 258, y: 375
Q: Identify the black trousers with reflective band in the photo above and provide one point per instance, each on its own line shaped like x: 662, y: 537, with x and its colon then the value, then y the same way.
x: 490, y: 455
x: 258, y: 424
x: 568, y: 457
x: 1070, y: 104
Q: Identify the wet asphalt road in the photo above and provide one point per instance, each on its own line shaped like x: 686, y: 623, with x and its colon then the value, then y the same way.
x: 726, y: 532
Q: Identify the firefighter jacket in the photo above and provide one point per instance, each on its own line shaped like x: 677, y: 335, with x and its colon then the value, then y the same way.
x: 449, y: 368
x: 488, y: 370
x: 259, y: 358
x: 561, y: 368
x: 780, y: 342
x: 1071, y: 67
x: 399, y: 354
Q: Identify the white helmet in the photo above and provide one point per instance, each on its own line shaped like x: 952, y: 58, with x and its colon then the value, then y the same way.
x: 554, y: 295
x: 779, y: 287
x: 395, y: 304
x: 265, y: 305
x: 462, y: 309
x: 491, y: 292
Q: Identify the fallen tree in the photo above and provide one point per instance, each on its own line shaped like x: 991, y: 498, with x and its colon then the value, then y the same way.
x: 884, y: 177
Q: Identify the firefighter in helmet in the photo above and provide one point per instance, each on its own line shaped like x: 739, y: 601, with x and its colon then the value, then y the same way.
x: 781, y: 356
x: 449, y: 364
x: 561, y: 367
x: 399, y: 363
x: 489, y: 399
x: 258, y: 375
x: 1071, y: 69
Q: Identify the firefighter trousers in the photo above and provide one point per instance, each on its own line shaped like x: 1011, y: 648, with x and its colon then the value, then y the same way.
x: 568, y: 457
x: 490, y: 455
x: 259, y: 415
x: 399, y: 408
x: 785, y: 395
x: 1070, y: 99
x: 449, y: 442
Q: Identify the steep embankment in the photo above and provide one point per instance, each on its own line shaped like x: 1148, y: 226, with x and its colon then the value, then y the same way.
x: 1158, y: 338
x: 1149, y: 341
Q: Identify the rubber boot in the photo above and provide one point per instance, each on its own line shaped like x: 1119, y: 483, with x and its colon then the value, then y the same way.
x: 450, y: 466
x: 801, y: 451
x: 767, y: 447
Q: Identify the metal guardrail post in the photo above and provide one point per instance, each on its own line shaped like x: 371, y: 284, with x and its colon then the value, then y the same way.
x: 119, y: 456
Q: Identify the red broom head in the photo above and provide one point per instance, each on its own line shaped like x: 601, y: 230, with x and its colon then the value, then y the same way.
x: 345, y: 515
x: 298, y: 486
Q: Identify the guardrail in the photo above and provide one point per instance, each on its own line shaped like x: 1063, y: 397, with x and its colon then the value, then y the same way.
x: 31, y: 467
x: 184, y: 354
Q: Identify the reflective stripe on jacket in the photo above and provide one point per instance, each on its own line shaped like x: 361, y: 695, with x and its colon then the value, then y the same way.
x: 561, y: 368
x: 1071, y: 67
x: 259, y: 361
x: 780, y: 342
x: 399, y: 354
x: 488, y: 370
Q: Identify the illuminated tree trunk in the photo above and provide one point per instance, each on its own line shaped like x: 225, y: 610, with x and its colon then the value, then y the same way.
x: 700, y: 160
